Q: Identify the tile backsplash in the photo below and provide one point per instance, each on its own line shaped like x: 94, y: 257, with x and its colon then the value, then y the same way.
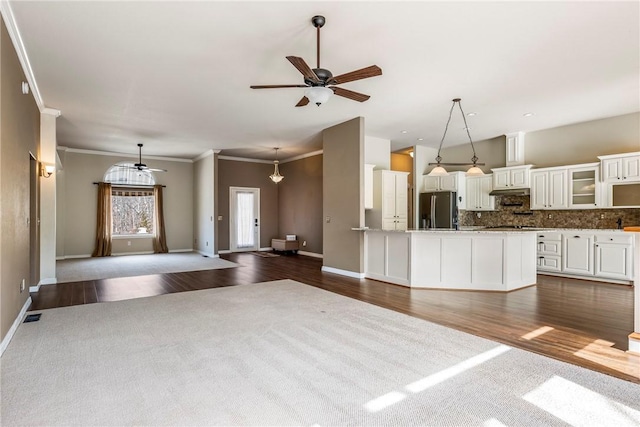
x: 514, y: 210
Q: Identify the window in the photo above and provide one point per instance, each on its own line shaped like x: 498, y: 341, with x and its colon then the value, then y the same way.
x: 132, y: 200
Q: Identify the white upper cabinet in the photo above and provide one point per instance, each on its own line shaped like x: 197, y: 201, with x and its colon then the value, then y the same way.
x: 584, y: 186
x: 478, y: 189
x: 515, y: 148
x: 511, y: 177
x: 455, y: 181
x: 390, y: 200
x: 621, y: 167
x: 549, y: 189
x: 368, y: 186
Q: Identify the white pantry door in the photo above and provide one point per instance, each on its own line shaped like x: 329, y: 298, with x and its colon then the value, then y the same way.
x: 244, y: 219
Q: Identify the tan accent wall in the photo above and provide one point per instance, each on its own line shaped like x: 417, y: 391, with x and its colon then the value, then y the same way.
x: 300, y: 202
x: 80, y: 198
x: 492, y: 152
x: 583, y: 142
x: 19, y: 134
x: 343, y: 196
x: 233, y: 173
x: 404, y: 163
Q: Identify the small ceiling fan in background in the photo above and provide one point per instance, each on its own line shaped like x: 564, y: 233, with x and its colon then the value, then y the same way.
x: 320, y: 81
x: 141, y: 166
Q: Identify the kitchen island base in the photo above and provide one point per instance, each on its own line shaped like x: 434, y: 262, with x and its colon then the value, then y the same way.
x: 451, y: 259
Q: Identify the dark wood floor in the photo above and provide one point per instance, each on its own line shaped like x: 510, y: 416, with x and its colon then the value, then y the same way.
x: 581, y: 322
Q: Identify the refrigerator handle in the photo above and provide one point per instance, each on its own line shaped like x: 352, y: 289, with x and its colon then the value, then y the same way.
x: 433, y: 211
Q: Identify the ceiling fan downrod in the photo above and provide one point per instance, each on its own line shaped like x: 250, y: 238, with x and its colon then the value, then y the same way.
x: 318, y: 22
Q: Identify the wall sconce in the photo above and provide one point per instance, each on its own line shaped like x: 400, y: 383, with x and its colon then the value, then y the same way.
x: 47, y: 170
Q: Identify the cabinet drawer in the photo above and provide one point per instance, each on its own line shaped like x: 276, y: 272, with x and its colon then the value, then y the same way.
x: 549, y: 248
x: 614, y: 238
x: 549, y: 263
x: 549, y: 236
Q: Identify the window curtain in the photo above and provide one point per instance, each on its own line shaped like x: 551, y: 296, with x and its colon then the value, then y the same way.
x: 103, y: 223
x: 160, y: 241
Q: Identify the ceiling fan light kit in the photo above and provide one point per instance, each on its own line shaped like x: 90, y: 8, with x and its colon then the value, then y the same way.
x: 439, y: 170
x: 320, y: 81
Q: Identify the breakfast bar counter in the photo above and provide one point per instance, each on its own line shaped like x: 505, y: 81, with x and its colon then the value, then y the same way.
x: 488, y: 260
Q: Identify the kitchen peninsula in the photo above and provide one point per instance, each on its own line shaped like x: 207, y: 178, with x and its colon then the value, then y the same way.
x: 488, y: 260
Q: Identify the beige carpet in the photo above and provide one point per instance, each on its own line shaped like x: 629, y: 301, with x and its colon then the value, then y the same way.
x: 284, y: 353
x: 76, y: 270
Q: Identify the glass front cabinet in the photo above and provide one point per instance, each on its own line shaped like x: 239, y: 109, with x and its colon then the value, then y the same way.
x: 584, y: 186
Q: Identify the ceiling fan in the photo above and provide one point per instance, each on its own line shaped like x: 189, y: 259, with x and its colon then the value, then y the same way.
x: 319, y: 81
x: 141, y: 166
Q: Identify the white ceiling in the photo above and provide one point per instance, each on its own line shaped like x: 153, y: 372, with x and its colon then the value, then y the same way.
x: 176, y: 75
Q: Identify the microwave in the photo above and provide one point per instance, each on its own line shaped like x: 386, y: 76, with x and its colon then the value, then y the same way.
x: 624, y: 195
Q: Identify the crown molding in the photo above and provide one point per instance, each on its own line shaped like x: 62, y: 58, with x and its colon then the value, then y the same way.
x: 205, y: 154
x: 245, y: 159
x: 129, y: 155
x: 290, y: 159
x: 16, y: 38
x: 51, y: 111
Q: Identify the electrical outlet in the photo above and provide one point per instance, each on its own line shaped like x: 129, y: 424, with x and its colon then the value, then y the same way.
x: 22, y: 285
x: 478, y: 214
x: 328, y: 219
x: 601, y: 216
x: 549, y: 216
x: 128, y: 242
x: 219, y: 217
x: 304, y: 243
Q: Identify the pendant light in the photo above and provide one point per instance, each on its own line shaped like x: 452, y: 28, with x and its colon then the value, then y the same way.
x: 441, y: 171
x: 276, y: 177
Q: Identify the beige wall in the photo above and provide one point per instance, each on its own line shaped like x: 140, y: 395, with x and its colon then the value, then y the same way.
x: 404, y: 163
x: 300, y: 202
x: 81, y: 170
x: 19, y: 134
x: 583, y: 142
x: 233, y: 173
x: 492, y: 152
x: 343, y: 196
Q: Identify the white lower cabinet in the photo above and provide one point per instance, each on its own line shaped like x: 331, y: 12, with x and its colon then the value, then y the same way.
x: 577, y: 256
x: 597, y: 255
x: 613, y: 257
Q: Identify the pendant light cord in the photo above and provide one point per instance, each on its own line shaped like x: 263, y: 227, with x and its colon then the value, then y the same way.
x: 474, y: 159
x: 438, y: 158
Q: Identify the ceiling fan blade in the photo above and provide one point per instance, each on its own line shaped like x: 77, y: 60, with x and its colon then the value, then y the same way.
x: 304, y: 101
x: 274, y: 86
x: 356, y: 96
x: 155, y: 170
x: 303, y: 68
x: 363, y: 73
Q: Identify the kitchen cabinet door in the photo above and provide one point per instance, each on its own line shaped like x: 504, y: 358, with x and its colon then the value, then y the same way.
x: 631, y: 168
x: 478, y: 189
x: 577, y: 256
x: 520, y: 177
x: 557, y: 194
x: 430, y: 183
x: 613, y: 261
x: 501, y: 179
x: 539, y: 186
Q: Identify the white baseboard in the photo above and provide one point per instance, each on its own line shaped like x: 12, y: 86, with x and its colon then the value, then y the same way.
x: 132, y: 253
x: 173, y: 251
x: 47, y: 281
x: 7, y: 338
x: 343, y: 272
x: 73, y: 257
x: 224, y: 251
x: 209, y: 254
x: 634, y: 343
x: 312, y: 254
x: 590, y: 278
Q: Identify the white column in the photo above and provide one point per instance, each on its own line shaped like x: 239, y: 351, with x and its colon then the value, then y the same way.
x: 48, y: 144
x: 634, y: 338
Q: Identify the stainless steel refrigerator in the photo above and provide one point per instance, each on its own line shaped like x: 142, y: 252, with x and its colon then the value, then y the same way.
x: 438, y: 210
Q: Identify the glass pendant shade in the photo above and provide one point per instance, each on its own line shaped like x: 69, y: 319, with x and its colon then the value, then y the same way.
x: 276, y: 177
x: 318, y: 94
x: 475, y: 171
x: 438, y: 171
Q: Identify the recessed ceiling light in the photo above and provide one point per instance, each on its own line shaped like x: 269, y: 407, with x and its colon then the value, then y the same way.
x: 471, y: 114
x: 528, y: 114
x: 404, y: 131
x: 420, y: 139
x: 467, y: 128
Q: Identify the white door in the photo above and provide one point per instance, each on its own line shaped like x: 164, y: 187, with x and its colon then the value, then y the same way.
x: 244, y: 219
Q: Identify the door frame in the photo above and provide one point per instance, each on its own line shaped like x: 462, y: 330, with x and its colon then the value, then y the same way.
x: 233, y: 191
